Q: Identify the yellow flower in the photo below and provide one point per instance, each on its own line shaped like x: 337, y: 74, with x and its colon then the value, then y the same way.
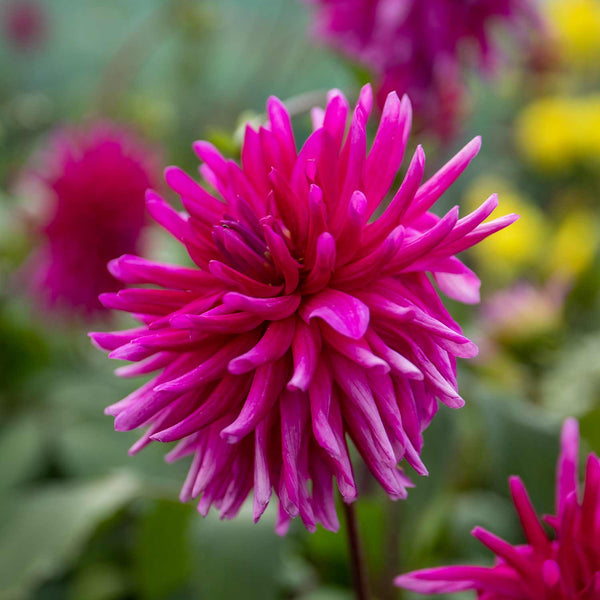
x: 517, y: 247
x: 577, y: 27
x: 543, y: 132
x: 574, y: 245
x: 556, y: 132
x: 589, y: 134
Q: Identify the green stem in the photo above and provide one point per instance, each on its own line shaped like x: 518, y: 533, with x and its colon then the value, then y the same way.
x: 358, y: 566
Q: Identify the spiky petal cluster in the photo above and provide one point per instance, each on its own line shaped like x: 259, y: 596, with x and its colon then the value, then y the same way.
x: 307, y: 320
x: 421, y: 47
x: 92, y: 184
x: 566, y: 568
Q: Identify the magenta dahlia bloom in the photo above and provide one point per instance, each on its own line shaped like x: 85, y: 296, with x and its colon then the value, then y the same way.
x: 92, y: 184
x: 307, y: 320
x: 24, y: 23
x: 421, y: 47
x: 564, y: 568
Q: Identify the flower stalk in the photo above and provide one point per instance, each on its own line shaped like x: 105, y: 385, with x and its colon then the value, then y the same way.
x: 358, y: 565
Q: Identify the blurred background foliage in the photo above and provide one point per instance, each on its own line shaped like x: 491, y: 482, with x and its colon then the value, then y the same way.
x: 79, y: 519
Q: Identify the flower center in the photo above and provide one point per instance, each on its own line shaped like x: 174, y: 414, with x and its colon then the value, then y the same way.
x: 243, y: 248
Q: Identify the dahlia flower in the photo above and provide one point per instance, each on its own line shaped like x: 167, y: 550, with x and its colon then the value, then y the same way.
x: 420, y: 47
x: 305, y: 320
x: 566, y: 568
x: 92, y: 183
x: 24, y: 23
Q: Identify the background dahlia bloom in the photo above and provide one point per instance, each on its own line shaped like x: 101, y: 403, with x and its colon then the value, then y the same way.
x: 305, y: 320
x: 24, y: 23
x: 92, y: 184
x: 523, y: 311
x: 566, y: 568
x: 420, y: 47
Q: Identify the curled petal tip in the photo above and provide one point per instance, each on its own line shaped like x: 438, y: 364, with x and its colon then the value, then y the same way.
x: 393, y: 97
x: 571, y: 426
x: 230, y: 436
x: 367, y: 88
x: 105, y: 299
x: 170, y: 171
x: 94, y: 338
x: 200, y: 146
x: 514, y: 480
x: 293, y: 386
x: 113, y: 267
x: 275, y: 102
x: 152, y: 196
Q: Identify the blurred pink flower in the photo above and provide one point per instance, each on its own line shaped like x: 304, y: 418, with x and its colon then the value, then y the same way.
x: 566, y: 568
x: 92, y: 184
x: 523, y: 311
x: 305, y: 319
x: 421, y: 47
x: 24, y: 23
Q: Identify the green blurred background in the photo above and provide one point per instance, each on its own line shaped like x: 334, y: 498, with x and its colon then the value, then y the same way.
x: 79, y: 519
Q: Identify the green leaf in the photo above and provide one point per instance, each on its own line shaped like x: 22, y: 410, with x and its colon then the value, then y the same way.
x: 21, y: 451
x: 328, y: 593
x: 46, y: 529
x: 24, y: 351
x: 162, y: 558
x: 99, y: 581
x: 522, y: 440
x: 328, y: 552
x: 95, y: 448
x: 590, y: 429
x: 484, y: 509
x: 572, y: 386
x: 424, y: 512
x: 236, y: 559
